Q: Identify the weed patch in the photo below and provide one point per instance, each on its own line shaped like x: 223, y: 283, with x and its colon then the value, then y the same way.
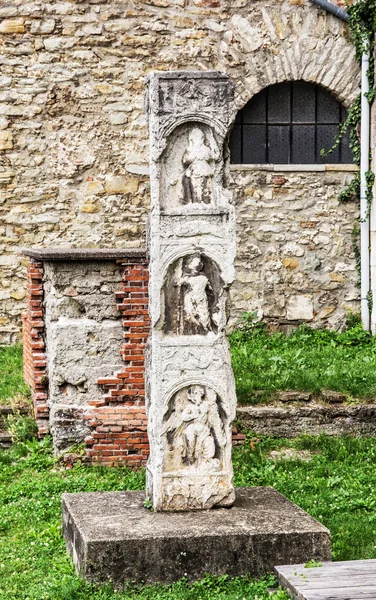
x: 11, y: 378
x: 307, y: 360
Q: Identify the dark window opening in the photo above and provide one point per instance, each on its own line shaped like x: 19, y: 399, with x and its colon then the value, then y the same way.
x: 290, y: 123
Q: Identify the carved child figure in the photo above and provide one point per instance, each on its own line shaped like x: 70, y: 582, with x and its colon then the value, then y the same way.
x: 199, y: 166
x: 194, y: 428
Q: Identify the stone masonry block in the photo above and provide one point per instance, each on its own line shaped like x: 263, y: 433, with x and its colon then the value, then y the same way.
x: 112, y: 537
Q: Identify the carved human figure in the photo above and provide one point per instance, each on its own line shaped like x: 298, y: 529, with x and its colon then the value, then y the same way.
x: 199, y: 166
x: 195, y: 430
x: 194, y: 287
x: 194, y: 297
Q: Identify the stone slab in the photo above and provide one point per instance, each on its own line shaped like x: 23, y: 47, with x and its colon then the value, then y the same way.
x: 112, y: 537
x: 313, y: 419
x: 53, y: 254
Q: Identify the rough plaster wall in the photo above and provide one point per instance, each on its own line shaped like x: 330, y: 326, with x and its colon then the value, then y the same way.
x: 84, y: 337
x: 73, y: 139
x: 295, y: 247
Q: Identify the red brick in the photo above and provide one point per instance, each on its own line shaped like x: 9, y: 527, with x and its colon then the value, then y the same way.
x: 124, y: 393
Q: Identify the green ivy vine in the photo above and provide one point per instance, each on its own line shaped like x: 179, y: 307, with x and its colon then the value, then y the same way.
x: 362, y: 25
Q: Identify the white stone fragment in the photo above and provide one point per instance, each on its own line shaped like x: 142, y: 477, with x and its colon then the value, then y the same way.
x: 42, y: 27
x: 249, y: 36
x: 56, y: 44
x: 300, y: 308
x: 5, y: 81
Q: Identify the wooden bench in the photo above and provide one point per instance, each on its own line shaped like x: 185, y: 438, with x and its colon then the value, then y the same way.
x: 349, y: 580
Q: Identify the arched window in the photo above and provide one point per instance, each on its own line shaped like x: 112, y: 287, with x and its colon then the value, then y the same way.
x: 289, y: 123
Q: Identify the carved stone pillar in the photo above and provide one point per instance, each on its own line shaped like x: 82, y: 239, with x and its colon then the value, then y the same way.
x: 190, y: 387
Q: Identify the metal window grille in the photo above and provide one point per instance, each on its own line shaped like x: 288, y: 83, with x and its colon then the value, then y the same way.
x: 290, y: 123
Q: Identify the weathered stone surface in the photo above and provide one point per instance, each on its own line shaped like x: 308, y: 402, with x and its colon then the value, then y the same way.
x: 68, y: 427
x: 190, y: 402
x: 120, y: 184
x: 12, y: 26
x: 80, y: 351
x: 6, y: 140
x: 294, y: 396
x: 333, y: 397
x: 300, y: 308
x: 290, y: 454
x: 112, y: 537
x: 84, y: 336
x: 313, y: 419
x: 67, y: 126
x: 78, y: 254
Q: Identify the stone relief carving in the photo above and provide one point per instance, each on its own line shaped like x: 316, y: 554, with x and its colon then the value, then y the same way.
x: 189, y: 467
x: 200, y: 228
x: 199, y: 167
x: 193, y: 359
x: 194, y: 95
x: 194, y: 297
x: 190, y: 172
x: 194, y: 431
x: 193, y: 493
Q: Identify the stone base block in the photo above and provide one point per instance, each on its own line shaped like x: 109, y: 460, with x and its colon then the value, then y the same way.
x: 112, y: 537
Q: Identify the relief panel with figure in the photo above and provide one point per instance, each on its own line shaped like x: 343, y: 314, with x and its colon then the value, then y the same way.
x: 191, y: 168
x: 194, y: 297
x: 194, y: 430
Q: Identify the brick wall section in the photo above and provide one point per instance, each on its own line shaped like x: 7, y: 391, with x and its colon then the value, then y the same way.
x: 118, y: 423
x: 34, y: 345
x: 118, y: 436
x: 129, y: 385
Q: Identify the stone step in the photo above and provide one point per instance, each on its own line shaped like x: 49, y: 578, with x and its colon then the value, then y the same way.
x: 5, y: 440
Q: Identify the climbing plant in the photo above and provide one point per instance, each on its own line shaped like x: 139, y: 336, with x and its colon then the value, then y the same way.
x: 362, y: 25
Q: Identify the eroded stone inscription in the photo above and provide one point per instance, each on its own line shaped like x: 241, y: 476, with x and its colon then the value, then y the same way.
x: 190, y: 386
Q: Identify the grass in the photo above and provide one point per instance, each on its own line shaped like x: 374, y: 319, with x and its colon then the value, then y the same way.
x: 307, y: 360
x: 12, y: 384
x: 33, y: 560
x: 338, y: 487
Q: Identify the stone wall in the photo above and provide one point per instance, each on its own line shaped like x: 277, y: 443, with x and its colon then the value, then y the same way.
x: 73, y: 138
x: 295, y: 258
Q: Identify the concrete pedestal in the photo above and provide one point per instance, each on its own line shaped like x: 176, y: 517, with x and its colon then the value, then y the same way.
x: 112, y: 537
